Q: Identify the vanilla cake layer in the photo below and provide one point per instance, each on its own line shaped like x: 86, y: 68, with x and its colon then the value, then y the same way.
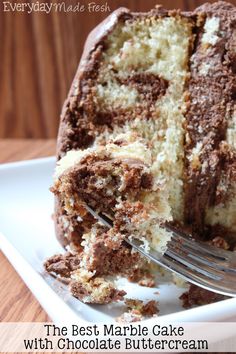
x: 147, y: 136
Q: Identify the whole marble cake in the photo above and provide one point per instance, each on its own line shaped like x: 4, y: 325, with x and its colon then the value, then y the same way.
x: 147, y: 137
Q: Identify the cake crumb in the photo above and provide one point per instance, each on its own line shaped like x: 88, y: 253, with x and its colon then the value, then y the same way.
x: 62, y: 265
x: 143, y: 277
x: 88, y: 288
x: 130, y: 316
x: 137, y: 310
x: 197, y: 296
x: 148, y: 282
x: 150, y: 308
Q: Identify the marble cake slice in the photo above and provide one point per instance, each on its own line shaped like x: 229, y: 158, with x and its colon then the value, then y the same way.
x: 148, y: 136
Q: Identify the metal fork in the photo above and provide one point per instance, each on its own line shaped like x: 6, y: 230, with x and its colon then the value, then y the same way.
x: 209, y: 267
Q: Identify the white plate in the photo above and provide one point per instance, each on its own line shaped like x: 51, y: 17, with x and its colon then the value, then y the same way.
x: 27, y: 238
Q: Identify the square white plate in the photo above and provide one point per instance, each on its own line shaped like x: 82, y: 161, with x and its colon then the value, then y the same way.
x: 27, y: 239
